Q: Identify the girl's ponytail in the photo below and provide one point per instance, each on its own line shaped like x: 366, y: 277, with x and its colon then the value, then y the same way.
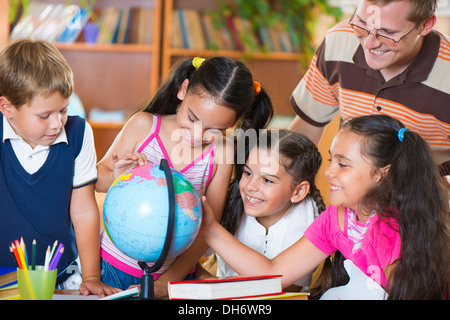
x: 419, y: 196
x: 165, y: 101
x: 260, y: 113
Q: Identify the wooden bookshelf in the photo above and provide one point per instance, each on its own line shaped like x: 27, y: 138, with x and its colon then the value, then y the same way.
x: 278, y: 72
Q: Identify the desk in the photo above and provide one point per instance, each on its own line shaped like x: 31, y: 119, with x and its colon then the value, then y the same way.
x: 75, y: 295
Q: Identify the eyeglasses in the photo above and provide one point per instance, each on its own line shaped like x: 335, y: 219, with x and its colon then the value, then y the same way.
x: 383, y: 39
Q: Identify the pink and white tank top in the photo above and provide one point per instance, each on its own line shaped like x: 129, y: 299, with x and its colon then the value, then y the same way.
x: 199, y: 172
x: 357, y: 230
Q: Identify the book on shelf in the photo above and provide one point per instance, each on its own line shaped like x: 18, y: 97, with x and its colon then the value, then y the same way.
x: 285, y: 41
x: 249, y: 39
x: 107, y: 22
x: 195, y: 29
x: 225, y: 288
x: 176, y: 38
x: 234, y: 33
x: 74, y: 27
x: 60, y: 23
x: 125, y: 26
x: 184, y: 31
x: 133, y: 25
x: 213, y: 36
x: 44, y: 21
x: 266, y: 41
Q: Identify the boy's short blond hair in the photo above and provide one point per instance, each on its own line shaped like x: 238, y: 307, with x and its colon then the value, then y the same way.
x: 33, y: 67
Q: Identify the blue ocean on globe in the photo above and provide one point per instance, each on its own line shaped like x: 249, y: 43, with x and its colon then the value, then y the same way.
x: 136, y: 213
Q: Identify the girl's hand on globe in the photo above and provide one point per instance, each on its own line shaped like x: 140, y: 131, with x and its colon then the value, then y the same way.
x: 128, y: 161
x: 208, y: 220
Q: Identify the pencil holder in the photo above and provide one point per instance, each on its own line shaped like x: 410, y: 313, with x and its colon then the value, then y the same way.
x: 38, y: 284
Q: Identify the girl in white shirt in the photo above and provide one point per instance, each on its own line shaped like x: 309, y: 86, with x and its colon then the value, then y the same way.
x: 273, y: 197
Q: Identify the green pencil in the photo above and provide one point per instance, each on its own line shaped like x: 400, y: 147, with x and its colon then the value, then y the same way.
x: 33, y: 255
x: 53, y: 249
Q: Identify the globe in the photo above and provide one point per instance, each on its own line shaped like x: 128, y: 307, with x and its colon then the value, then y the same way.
x: 136, y: 210
x: 76, y: 107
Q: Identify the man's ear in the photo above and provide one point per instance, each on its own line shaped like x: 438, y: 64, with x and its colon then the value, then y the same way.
x: 300, y: 192
x: 428, y: 25
x: 183, y: 89
x: 6, y: 107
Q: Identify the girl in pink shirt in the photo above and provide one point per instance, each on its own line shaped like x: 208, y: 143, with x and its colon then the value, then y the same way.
x: 389, y: 217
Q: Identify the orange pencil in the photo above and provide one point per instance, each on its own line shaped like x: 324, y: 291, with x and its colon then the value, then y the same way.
x: 22, y: 259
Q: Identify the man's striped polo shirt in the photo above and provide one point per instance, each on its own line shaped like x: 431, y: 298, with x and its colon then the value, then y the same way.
x: 339, y: 80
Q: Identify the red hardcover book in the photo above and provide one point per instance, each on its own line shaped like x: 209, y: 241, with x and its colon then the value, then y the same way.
x: 234, y: 34
x: 225, y: 288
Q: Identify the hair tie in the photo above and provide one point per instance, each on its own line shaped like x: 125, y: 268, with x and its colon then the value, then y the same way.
x: 256, y: 87
x: 197, y: 62
x: 401, y: 134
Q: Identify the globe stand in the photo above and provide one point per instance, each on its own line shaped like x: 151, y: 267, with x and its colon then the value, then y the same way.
x: 147, y: 291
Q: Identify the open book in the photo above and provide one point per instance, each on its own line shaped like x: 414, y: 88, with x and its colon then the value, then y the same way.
x: 225, y: 288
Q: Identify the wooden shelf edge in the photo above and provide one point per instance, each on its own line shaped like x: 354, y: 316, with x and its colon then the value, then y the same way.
x: 105, y: 47
x: 236, y: 54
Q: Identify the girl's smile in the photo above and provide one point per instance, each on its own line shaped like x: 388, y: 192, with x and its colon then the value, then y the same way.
x: 251, y: 201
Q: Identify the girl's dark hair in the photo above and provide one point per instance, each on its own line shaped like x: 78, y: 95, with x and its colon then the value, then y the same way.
x: 298, y: 156
x: 412, y: 193
x: 228, y: 82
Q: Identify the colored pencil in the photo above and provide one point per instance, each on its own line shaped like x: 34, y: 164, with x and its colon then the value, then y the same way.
x: 24, y: 251
x: 53, y: 249
x: 20, y: 252
x: 12, y: 252
x: 16, y: 255
x: 57, y: 257
x: 47, y: 258
x: 33, y: 255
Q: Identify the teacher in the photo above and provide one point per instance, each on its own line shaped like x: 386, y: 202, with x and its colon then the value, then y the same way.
x: 387, y: 59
